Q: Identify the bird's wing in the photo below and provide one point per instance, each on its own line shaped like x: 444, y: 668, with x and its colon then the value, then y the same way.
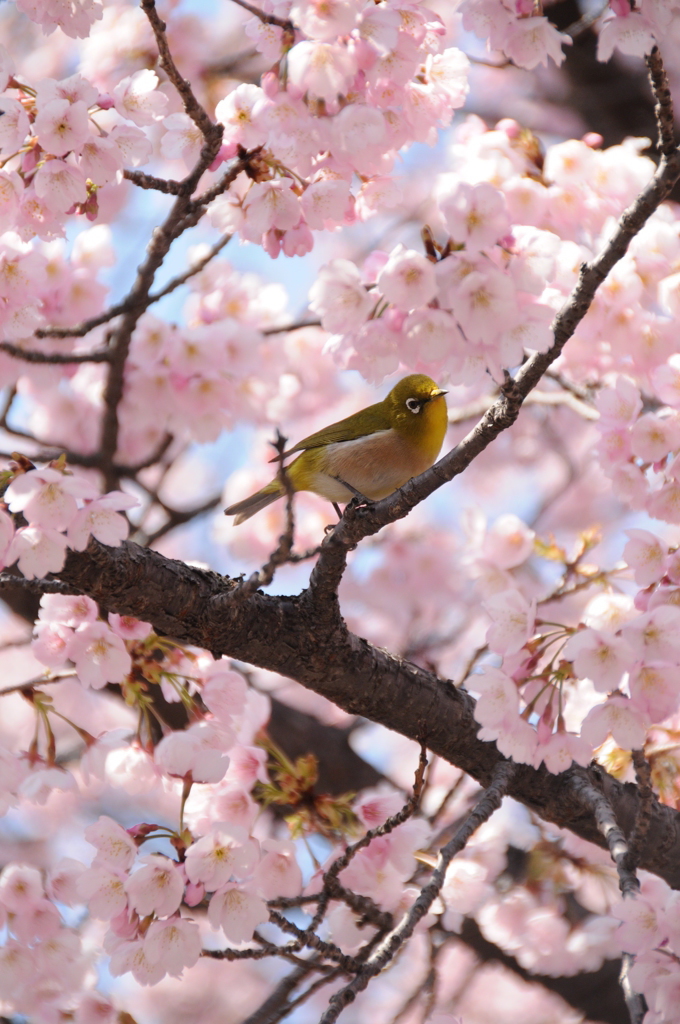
x: 368, y: 421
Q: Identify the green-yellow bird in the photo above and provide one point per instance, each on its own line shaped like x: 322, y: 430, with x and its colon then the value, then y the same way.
x: 375, y: 451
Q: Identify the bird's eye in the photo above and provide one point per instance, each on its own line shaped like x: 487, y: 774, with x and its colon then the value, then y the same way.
x: 413, y: 405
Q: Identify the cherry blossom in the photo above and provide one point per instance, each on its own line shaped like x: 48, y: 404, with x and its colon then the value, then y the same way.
x: 99, y: 655
x: 156, y: 887
x: 237, y: 912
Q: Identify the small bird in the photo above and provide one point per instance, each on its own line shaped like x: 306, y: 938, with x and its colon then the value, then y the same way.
x: 369, y: 454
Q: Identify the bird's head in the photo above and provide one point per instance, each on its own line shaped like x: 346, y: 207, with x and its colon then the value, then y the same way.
x: 417, y: 410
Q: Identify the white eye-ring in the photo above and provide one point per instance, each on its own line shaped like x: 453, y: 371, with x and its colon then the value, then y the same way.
x: 413, y: 405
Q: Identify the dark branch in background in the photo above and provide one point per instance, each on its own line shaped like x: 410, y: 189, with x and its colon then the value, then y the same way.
x: 595, y: 993
x: 36, y: 356
x: 295, y: 326
x: 177, y: 517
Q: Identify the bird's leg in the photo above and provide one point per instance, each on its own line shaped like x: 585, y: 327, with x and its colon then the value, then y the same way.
x: 360, y: 498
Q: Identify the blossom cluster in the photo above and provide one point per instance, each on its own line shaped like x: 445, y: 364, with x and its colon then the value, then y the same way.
x: 527, y: 38
x: 362, y: 82
x: 40, y: 286
x: 64, y: 140
x: 513, y: 232
x: 49, y: 499
x: 545, y: 703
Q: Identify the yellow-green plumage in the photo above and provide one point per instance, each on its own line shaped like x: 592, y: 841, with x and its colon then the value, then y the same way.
x: 375, y: 451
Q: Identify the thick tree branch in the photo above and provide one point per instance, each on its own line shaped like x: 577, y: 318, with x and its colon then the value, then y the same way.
x: 292, y: 636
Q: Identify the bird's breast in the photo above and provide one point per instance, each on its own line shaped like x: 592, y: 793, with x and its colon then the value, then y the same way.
x: 376, y: 465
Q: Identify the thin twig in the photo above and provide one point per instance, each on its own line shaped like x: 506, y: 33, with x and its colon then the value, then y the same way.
x: 30, y: 355
x: 607, y: 824
x: 31, y: 684
x: 663, y: 110
x: 489, y: 801
x: 191, y: 105
x: 178, y: 518
x: 150, y: 181
x: 330, y: 878
x: 328, y: 949
x: 636, y: 1003
x: 295, y: 326
x: 269, y: 19
x: 281, y: 554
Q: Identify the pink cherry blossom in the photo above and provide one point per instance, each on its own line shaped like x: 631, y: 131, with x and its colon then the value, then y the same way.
x: 47, y: 497
x: 67, y: 610
x: 175, y: 944
x: 339, y: 297
x: 62, y: 882
x: 136, y: 97
x: 483, y: 300
x: 200, y: 751
x: 20, y: 888
x: 156, y: 887
x: 37, y: 551
x: 655, y: 636
x: 99, y: 655
x: 512, y: 621
x: 654, y: 689
x: 323, y: 69
x: 241, y: 114
x: 475, y: 215
x: 224, y: 692
x: 325, y: 19
x: 103, y: 889
x: 271, y: 204
x: 407, y: 280
x: 499, y: 697
x: 561, y: 748
x: 652, y: 437
x: 62, y: 126
x: 237, y: 912
x: 598, y: 656
x: 115, y: 847
x: 531, y: 41
x: 99, y: 518
x: 60, y: 185
x: 645, y: 554
x: 216, y: 858
x: 14, y: 124
x: 278, y: 872
x: 133, y: 957
x: 618, y: 716
x: 75, y: 19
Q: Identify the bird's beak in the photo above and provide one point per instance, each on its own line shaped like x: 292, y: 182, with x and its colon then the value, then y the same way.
x: 438, y: 393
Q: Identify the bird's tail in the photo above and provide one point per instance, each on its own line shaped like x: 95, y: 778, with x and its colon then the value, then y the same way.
x: 249, y: 506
